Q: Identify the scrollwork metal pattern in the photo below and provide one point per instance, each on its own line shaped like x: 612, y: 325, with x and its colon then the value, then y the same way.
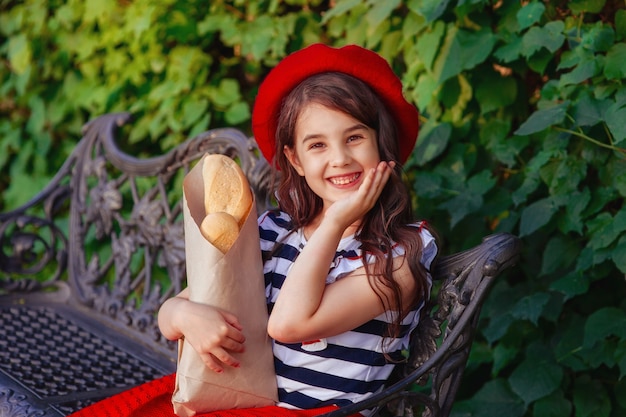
x: 126, y: 237
x: 125, y: 231
x: 31, y: 241
x: 17, y: 405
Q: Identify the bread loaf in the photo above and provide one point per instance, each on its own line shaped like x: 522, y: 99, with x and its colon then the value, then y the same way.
x: 227, y: 200
x: 221, y: 229
x: 226, y: 188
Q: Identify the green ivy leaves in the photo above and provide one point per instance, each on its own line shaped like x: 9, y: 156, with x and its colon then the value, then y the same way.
x: 462, y: 50
x: 522, y: 109
x: 542, y: 119
x: 544, y: 116
x: 179, y: 67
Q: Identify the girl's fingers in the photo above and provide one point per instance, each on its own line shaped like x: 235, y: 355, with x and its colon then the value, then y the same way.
x: 214, y: 360
x: 233, y: 345
x: 232, y: 320
x: 372, y: 186
x: 351, y: 208
x: 225, y: 358
x: 379, y: 177
x: 212, y: 363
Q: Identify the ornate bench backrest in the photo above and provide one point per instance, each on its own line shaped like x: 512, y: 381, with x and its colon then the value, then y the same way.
x: 108, y: 232
x: 123, y: 247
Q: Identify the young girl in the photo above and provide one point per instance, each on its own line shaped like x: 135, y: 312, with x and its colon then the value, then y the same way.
x: 346, y: 266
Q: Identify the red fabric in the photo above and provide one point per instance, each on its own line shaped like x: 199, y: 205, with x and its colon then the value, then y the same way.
x: 353, y: 60
x: 153, y: 399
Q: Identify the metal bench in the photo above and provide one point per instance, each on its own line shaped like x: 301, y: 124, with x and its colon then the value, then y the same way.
x: 87, y: 262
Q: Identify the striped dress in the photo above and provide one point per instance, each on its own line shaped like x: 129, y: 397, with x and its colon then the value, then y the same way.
x: 341, y: 369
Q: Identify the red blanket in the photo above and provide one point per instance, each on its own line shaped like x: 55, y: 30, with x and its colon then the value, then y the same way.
x: 153, y: 399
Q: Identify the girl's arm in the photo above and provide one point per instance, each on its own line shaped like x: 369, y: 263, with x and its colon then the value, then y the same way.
x: 308, y: 309
x: 343, y: 306
x: 212, y: 332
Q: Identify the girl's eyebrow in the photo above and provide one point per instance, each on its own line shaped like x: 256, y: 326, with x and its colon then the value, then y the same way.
x: 358, y: 126
x: 312, y: 136
x: 351, y: 129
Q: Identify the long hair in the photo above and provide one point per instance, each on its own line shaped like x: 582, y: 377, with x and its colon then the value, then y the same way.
x: 388, y: 221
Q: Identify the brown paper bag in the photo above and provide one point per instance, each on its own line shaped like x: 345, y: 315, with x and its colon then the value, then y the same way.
x: 234, y: 282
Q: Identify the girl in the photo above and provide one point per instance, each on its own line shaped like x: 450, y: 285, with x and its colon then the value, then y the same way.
x: 346, y: 267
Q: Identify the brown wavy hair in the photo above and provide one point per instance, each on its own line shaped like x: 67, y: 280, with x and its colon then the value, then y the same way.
x: 388, y: 221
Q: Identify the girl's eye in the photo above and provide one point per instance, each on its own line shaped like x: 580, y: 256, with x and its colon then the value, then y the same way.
x: 354, y: 137
x: 316, y: 145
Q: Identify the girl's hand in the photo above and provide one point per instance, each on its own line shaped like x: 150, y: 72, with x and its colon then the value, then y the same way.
x: 213, y: 333
x: 352, y: 208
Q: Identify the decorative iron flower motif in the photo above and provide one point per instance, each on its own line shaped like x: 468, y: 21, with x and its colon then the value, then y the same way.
x: 146, y: 216
x: 173, y: 253
x: 123, y: 248
x: 106, y: 200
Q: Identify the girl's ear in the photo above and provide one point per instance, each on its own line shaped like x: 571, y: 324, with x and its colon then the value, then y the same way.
x: 293, y: 160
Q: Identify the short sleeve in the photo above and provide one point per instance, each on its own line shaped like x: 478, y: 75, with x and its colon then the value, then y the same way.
x: 429, y: 251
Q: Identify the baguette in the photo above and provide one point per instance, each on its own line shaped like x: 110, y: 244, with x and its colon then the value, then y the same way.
x: 227, y: 200
x: 221, y: 229
x: 225, y: 187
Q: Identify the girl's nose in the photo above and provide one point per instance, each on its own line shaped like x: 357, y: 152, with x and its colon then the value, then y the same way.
x: 340, y: 156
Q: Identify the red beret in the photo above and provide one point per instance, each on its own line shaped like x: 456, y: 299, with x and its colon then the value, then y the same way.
x: 353, y: 60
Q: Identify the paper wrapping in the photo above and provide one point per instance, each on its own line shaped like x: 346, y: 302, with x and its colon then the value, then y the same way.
x: 233, y: 282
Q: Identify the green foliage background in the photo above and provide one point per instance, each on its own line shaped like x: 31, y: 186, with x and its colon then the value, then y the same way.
x: 523, y: 111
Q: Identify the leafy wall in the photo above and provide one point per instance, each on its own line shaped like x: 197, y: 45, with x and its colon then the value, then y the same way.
x: 523, y: 110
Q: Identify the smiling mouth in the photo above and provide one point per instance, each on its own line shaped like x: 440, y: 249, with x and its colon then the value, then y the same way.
x: 345, y: 180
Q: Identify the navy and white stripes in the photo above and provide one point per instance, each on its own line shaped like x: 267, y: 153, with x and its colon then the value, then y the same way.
x: 340, y: 369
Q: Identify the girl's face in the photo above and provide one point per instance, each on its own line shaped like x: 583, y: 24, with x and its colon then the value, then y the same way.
x: 332, y: 151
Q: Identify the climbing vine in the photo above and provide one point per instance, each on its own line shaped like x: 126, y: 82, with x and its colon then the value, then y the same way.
x: 522, y: 107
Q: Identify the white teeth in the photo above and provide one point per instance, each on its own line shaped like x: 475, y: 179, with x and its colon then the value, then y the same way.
x: 344, y: 180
